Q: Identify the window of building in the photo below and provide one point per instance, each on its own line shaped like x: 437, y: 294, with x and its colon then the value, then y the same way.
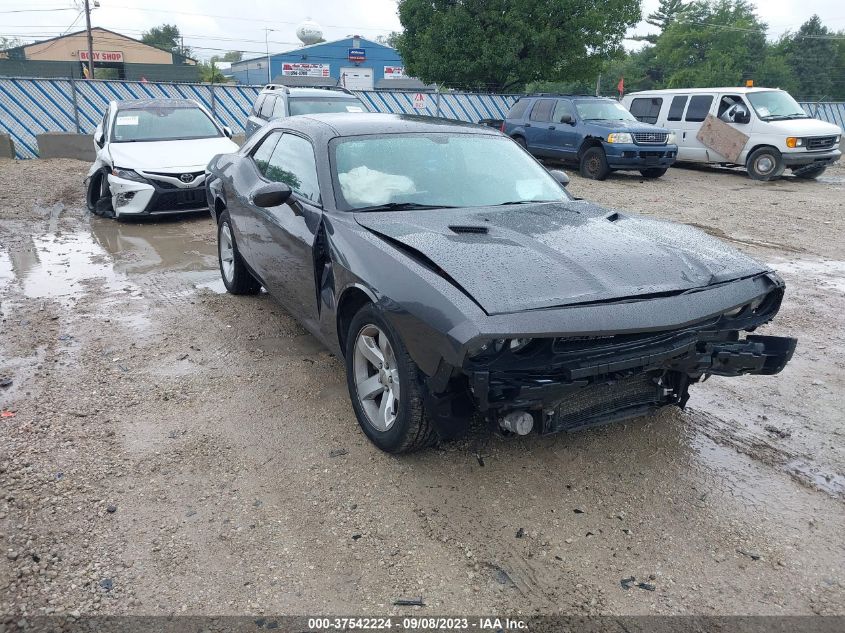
x: 646, y: 109
x: 699, y: 106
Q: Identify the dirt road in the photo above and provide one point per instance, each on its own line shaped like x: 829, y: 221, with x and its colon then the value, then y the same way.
x: 178, y: 450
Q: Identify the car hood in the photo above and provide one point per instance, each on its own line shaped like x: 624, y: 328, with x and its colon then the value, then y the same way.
x: 629, y: 126
x: 805, y: 127
x: 175, y: 156
x: 547, y: 255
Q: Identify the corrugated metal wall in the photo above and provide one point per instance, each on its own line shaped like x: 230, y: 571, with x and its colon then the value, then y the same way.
x: 33, y: 106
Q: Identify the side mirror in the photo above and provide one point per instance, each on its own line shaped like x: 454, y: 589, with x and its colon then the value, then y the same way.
x: 271, y: 195
x: 566, y: 118
x: 560, y: 176
x: 228, y: 131
x: 742, y: 116
x: 99, y: 138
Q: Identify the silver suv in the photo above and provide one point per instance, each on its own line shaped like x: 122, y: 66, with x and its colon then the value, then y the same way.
x: 276, y: 102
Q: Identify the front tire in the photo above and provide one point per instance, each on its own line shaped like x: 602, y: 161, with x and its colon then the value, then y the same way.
x: 236, y: 276
x: 98, y: 195
x: 384, y: 385
x: 653, y: 172
x: 765, y: 163
x: 594, y: 164
x: 810, y: 174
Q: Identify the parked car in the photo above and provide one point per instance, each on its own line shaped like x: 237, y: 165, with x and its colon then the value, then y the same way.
x: 151, y: 156
x: 277, y: 102
x: 448, y: 292
x: 779, y: 133
x: 595, y: 132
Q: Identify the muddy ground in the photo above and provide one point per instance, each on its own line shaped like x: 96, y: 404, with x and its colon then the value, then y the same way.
x: 178, y: 450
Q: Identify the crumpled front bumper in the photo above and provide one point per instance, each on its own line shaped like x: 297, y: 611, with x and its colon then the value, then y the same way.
x: 516, y: 390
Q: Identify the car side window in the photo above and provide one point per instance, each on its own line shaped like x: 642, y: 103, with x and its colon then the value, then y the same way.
x: 542, y: 110
x: 646, y: 109
x: 279, y: 109
x: 676, y: 110
x: 563, y: 107
x: 518, y: 109
x: 267, y: 107
x: 293, y: 163
x: 699, y: 106
x: 256, y: 109
x: 261, y: 156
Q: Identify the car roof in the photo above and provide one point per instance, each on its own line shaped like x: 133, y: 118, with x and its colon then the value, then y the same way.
x: 156, y: 103
x: 735, y: 89
x: 308, y: 92
x: 355, y: 124
x: 551, y: 95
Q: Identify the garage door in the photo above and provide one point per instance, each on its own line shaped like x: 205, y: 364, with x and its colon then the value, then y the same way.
x: 356, y: 78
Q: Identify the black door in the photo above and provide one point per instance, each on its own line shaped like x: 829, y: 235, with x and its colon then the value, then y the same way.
x: 282, y: 250
x: 247, y: 175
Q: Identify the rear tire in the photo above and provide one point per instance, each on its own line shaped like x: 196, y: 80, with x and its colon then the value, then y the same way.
x: 765, y: 163
x: 594, y: 164
x: 236, y: 276
x: 653, y: 172
x: 376, y: 362
x: 811, y: 173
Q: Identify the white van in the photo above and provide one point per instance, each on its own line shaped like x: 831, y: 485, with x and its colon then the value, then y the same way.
x: 779, y: 133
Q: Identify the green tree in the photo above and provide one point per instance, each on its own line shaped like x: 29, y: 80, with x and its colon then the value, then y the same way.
x: 231, y: 56
x: 9, y: 42
x: 388, y: 40
x: 210, y: 73
x: 811, y: 53
x: 505, y: 44
x: 167, y: 37
x: 666, y: 13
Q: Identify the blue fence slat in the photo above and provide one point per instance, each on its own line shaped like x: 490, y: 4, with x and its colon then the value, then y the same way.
x: 31, y: 106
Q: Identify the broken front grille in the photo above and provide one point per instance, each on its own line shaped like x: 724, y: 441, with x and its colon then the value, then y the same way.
x: 180, y: 200
x: 820, y: 142
x: 650, y: 138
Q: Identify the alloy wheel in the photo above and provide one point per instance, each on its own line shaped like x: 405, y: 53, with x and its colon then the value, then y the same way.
x: 376, y: 377
x: 227, y: 252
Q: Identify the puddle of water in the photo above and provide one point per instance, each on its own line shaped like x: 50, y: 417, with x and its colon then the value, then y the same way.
x: 215, y: 286
x: 6, y: 274
x: 829, y: 274
x: 830, y: 482
x: 59, y: 266
x: 831, y: 180
x: 152, y: 247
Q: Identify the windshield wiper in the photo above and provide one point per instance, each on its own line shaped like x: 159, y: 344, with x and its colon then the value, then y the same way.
x: 504, y: 204
x: 784, y: 117
x: 403, y: 206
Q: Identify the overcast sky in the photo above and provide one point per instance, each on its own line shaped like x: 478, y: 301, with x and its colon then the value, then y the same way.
x: 224, y: 25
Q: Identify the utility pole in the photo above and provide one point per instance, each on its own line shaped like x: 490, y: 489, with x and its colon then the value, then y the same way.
x: 267, y: 47
x: 90, y: 40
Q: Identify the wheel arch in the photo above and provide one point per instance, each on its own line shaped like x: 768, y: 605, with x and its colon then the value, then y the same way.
x: 352, y: 299
x: 759, y: 146
x: 587, y: 143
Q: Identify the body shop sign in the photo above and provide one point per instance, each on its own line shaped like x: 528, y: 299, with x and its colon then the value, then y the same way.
x: 293, y: 69
x: 102, y: 56
x: 394, y: 72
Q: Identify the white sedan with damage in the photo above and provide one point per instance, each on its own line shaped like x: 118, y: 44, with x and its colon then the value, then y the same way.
x: 151, y: 156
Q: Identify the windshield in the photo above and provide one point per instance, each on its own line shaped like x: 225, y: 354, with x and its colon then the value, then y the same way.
x: 438, y: 170
x: 315, y: 105
x: 603, y: 111
x: 775, y: 104
x: 162, y: 124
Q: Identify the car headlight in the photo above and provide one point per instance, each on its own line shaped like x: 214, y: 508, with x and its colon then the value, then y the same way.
x: 672, y: 139
x: 619, y: 137
x: 794, y: 141
x: 127, y: 174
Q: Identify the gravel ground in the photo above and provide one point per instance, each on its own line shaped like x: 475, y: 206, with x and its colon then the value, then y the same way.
x: 177, y: 450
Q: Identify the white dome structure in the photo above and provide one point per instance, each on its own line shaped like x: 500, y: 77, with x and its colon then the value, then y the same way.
x: 309, y: 32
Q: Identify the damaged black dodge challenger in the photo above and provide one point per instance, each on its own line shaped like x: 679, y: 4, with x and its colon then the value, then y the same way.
x: 456, y: 276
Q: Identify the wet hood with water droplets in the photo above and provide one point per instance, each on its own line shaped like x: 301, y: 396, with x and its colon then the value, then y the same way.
x: 547, y: 255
